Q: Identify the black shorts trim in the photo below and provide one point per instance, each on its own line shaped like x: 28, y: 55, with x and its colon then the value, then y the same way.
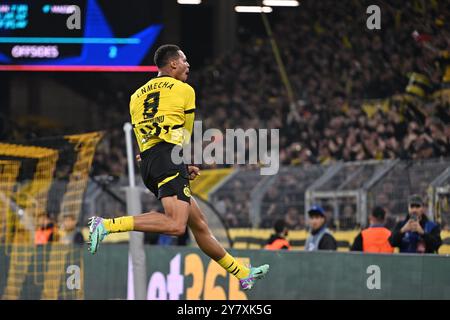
x: 176, y: 187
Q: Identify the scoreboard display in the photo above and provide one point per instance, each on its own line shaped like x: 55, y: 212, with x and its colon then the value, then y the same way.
x: 74, y: 36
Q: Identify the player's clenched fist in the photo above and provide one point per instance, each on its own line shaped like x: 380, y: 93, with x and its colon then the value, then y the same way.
x: 193, y: 172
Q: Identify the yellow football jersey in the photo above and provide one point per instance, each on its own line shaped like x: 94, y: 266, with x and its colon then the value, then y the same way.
x: 159, y: 111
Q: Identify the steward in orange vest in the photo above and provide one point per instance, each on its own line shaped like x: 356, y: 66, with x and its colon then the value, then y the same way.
x: 45, y: 231
x: 278, y: 240
x: 374, y: 239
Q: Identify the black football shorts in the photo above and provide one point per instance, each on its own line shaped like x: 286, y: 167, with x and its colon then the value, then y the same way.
x: 163, y: 177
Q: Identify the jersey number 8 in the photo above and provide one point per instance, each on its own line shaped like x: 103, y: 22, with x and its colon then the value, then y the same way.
x: 151, y: 104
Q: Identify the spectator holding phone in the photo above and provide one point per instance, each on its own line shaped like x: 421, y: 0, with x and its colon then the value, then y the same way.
x: 416, y: 234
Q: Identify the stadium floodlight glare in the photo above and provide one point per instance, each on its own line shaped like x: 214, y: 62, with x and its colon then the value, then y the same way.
x: 281, y: 3
x: 252, y: 9
x: 189, y: 1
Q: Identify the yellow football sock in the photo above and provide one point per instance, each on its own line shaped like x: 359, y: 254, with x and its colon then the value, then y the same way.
x: 122, y: 224
x: 234, y: 267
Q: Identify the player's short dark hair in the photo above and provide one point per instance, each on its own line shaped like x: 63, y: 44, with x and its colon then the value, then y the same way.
x: 279, y: 225
x: 164, y: 53
x: 379, y: 213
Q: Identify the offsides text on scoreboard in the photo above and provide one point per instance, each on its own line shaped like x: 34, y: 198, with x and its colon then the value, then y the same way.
x: 41, y: 33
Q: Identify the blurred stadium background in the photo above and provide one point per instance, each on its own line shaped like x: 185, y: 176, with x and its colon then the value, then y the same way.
x: 364, y: 119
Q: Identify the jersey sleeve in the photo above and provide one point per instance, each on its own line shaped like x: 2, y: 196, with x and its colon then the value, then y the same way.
x: 189, y: 105
x: 189, y: 115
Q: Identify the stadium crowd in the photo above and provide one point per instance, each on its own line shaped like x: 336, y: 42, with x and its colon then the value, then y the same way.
x: 354, y: 88
x: 337, y: 70
x: 358, y: 93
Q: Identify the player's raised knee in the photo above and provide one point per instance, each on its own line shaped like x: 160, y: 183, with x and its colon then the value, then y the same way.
x: 178, y: 229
